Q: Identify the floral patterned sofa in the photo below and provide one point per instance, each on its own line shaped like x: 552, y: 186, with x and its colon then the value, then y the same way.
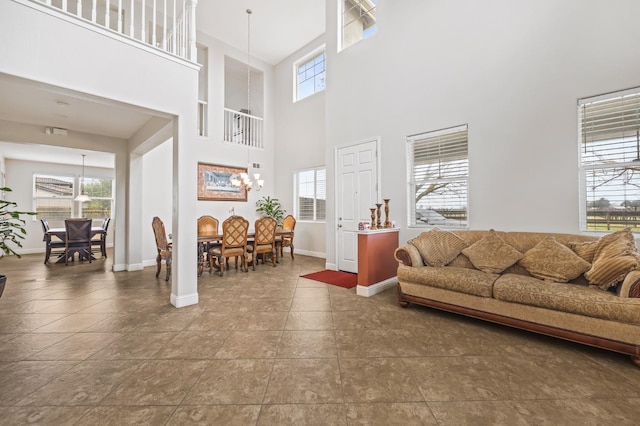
x: 576, y: 287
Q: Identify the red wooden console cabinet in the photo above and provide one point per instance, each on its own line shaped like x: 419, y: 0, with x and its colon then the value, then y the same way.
x: 376, y: 265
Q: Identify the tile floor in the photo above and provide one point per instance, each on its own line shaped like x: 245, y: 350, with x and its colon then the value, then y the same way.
x: 80, y: 345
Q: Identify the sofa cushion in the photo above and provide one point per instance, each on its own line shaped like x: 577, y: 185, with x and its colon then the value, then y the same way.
x: 614, y: 258
x: 572, y: 298
x: 585, y: 250
x: 491, y: 254
x: 438, y: 247
x: 462, y: 280
x: 551, y: 261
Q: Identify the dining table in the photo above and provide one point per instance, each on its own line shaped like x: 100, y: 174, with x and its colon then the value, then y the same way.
x: 61, y: 233
x: 205, y: 241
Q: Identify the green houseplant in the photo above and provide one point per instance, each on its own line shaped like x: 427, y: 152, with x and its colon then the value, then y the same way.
x: 12, y: 229
x: 267, y: 206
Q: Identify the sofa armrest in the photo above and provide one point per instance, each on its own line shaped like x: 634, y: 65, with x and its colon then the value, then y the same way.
x: 631, y: 285
x: 408, y: 255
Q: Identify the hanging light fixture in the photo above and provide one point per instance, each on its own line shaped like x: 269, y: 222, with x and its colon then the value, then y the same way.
x: 245, y: 180
x: 83, y: 196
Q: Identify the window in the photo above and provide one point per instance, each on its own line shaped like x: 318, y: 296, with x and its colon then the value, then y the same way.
x: 438, y: 174
x: 53, y: 196
x: 101, y: 192
x: 310, y: 194
x: 610, y: 161
x: 358, y: 20
x: 310, y: 75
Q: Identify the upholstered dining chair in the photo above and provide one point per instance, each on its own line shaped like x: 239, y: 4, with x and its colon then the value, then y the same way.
x: 163, y: 246
x: 234, y: 244
x: 265, y: 240
x: 288, y: 224
x: 207, y: 227
x: 100, y: 240
x: 77, y: 239
x: 51, y: 243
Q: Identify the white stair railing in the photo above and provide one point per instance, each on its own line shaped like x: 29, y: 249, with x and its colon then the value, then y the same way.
x: 169, y: 25
x: 243, y: 129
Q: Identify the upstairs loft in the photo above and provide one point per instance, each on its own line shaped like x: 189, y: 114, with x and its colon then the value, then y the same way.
x: 168, y: 28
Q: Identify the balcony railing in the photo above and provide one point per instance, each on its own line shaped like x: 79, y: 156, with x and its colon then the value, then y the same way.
x: 169, y: 25
x: 243, y: 129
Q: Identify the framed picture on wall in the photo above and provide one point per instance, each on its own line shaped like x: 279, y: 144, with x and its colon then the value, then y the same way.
x: 214, y: 183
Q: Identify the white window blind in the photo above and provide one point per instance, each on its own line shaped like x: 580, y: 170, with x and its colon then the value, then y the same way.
x: 610, y: 160
x: 438, y: 167
x: 311, y: 194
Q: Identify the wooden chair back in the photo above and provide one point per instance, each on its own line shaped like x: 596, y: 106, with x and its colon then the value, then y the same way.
x: 207, y: 226
x: 77, y: 238
x: 234, y: 232
x: 289, y: 223
x: 265, y: 230
x: 163, y: 246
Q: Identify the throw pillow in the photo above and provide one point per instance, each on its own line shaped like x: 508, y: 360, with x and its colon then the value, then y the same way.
x: 491, y: 254
x: 615, y: 256
x: 551, y: 261
x: 585, y: 250
x: 438, y: 247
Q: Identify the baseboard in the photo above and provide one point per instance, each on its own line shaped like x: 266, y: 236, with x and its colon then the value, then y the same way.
x: 331, y: 266
x: 135, y: 267
x: 368, y: 291
x: 182, y: 301
x: 148, y: 263
x: 307, y: 253
x: 119, y: 268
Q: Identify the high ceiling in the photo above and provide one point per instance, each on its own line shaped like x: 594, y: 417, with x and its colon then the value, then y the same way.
x: 278, y: 28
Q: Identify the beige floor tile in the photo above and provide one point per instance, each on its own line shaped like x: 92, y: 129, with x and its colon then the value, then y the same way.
x: 321, y: 303
x: 21, y: 346
x: 193, y: 345
x: 157, y: 383
x: 405, y: 414
x: 228, y: 415
x: 135, y: 346
x: 308, y: 381
x: 482, y: 413
x: 72, y: 323
x: 351, y: 320
x: 309, y: 321
x: 80, y: 346
x: 46, y: 415
x: 302, y: 414
x: 250, y: 344
x: 117, y: 416
x: 308, y: 344
x: 377, y: 380
x: 237, y: 381
x: 20, y: 379
x: 87, y: 383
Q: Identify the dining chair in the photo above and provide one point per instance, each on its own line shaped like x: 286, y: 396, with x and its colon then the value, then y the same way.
x: 163, y: 246
x: 77, y: 239
x: 264, y: 242
x: 288, y: 224
x: 51, y: 243
x: 207, y: 227
x: 234, y: 244
x: 100, y: 240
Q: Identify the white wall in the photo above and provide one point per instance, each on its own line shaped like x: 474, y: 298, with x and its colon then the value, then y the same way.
x: 512, y: 70
x: 300, y: 135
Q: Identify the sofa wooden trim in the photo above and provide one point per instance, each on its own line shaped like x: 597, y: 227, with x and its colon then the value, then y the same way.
x: 599, y: 342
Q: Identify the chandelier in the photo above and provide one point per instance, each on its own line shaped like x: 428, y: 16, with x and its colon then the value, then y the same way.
x: 245, y: 180
x: 83, y: 195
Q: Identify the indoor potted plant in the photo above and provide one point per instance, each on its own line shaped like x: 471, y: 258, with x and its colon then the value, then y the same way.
x: 12, y: 229
x: 271, y: 207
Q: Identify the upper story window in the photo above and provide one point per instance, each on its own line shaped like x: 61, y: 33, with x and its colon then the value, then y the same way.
x: 438, y: 175
x: 610, y: 161
x: 358, y: 21
x: 310, y: 74
x: 310, y: 194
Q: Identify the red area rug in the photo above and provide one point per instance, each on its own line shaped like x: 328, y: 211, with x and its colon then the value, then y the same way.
x: 339, y: 278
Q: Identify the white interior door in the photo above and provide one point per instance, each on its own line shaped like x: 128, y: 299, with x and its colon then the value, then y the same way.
x: 356, y: 189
